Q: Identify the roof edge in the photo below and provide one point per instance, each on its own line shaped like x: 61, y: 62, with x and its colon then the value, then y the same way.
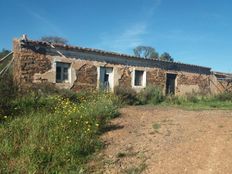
x: 98, y: 51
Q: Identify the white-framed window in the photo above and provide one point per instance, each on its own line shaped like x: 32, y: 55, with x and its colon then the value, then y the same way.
x: 62, y: 72
x: 139, y: 78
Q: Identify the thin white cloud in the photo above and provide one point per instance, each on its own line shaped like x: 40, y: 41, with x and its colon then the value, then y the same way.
x: 51, y: 26
x: 124, y: 40
x: 42, y: 21
x: 154, y: 6
x: 131, y: 36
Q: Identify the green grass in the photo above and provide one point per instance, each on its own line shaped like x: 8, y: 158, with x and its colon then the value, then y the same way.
x: 201, y: 105
x: 59, y: 141
x: 156, y: 126
x: 153, y: 95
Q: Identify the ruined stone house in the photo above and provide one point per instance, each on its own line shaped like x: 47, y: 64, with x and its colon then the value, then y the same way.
x: 78, y: 68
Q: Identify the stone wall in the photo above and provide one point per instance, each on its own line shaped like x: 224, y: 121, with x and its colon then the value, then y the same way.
x: 189, y: 82
x: 27, y: 62
x: 125, y: 77
x: 35, y: 62
x: 156, y: 77
x: 86, y: 78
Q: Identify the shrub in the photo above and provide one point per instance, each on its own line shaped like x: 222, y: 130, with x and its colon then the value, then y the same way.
x: 151, y: 95
x: 127, y: 95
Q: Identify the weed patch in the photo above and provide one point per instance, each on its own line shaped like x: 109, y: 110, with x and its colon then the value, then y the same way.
x: 59, y: 140
x: 136, y: 169
x: 198, y: 102
x: 156, y: 126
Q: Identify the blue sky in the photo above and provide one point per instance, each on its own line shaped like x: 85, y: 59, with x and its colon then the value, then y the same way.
x: 192, y: 31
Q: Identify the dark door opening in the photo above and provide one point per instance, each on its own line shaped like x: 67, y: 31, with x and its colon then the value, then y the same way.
x: 170, y: 84
x: 106, y: 81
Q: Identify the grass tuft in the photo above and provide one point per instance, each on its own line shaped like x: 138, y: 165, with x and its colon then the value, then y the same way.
x: 136, y: 169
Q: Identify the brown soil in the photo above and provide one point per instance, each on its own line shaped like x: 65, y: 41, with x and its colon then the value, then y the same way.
x: 161, y: 140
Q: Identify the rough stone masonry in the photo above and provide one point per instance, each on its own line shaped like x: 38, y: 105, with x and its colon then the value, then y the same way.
x: 78, y: 68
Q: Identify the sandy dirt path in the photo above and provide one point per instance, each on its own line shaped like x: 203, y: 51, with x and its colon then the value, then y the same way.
x: 161, y: 140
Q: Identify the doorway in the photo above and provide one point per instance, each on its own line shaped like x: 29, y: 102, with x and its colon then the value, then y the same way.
x: 106, y: 78
x: 170, y: 84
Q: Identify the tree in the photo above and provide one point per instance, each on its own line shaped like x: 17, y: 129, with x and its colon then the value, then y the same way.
x: 54, y: 39
x: 166, y: 57
x: 146, y: 52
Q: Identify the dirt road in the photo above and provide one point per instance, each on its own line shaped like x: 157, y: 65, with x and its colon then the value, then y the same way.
x: 161, y: 140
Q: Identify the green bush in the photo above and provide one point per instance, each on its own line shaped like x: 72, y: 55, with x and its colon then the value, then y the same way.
x: 151, y: 95
x: 127, y: 95
x: 56, y: 142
